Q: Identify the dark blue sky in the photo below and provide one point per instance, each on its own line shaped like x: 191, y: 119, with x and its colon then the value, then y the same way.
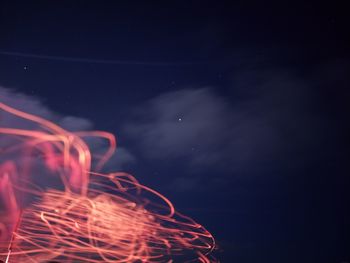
x: 237, y: 112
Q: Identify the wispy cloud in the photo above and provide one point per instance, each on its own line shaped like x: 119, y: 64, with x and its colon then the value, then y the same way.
x: 270, y: 120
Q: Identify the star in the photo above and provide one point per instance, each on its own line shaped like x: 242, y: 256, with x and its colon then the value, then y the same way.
x: 25, y: 67
x: 180, y: 119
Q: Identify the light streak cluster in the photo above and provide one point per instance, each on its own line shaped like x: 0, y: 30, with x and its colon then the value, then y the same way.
x: 92, y: 217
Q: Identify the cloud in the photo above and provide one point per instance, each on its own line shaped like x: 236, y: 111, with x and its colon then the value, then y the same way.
x: 199, y: 125
x: 175, y: 123
x: 269, y: 121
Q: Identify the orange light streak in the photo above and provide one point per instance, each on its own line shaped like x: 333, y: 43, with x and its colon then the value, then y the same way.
x: 95, y: 217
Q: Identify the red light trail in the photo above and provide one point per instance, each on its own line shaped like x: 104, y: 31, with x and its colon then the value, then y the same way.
x: 91, y: 216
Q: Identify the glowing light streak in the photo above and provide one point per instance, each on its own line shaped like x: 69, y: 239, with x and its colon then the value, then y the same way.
x: 96, y: 217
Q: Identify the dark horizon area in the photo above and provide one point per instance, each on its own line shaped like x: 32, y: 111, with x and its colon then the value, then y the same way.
x: 237, y: 112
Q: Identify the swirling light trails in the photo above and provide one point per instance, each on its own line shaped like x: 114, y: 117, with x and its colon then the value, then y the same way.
x: 96, y: 217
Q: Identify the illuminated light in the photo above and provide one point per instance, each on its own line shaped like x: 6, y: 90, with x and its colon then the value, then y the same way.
x: 96, y: 217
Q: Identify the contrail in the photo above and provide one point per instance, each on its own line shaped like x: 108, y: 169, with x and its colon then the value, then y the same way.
x: 97, y: 61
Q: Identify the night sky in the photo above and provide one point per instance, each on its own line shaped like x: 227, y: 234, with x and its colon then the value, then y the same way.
x: 238, y: 113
